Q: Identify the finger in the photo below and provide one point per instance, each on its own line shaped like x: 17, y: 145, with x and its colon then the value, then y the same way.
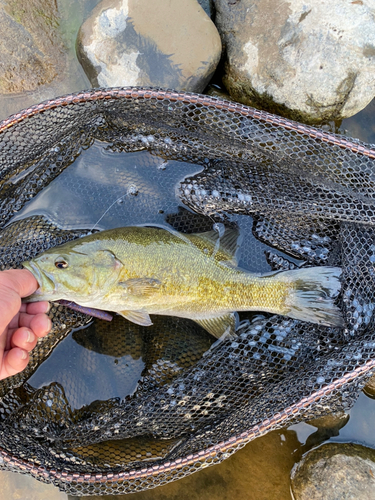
x: 38, y: 307
x: 19, y: 280
x: 23, y: 307
x: 14, y: 284
x: 10, y: 303
x: 14, y: 322
x: 25, y: 319
x: 40, y: 324
x: 14, y: 361
x: 24, y: 338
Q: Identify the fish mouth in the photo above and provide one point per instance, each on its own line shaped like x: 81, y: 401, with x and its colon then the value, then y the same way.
x: 30, y: 266
x: 47, y: 287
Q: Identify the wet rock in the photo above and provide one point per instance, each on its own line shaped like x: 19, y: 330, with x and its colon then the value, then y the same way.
x: 369, y: 388
x: 308, y: 60
x: 31, y: 48
x: 138, y: 42
x: 327, y: 427
x: 215, y: 91
x: 334, y: 421
x: 19, y: 487
x: 335, y: 471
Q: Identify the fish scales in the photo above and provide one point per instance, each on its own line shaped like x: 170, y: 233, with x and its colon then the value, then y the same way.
x: 138, y: 271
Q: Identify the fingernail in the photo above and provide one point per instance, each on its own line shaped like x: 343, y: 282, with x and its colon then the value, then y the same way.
x: 30, y: 336
x: 48, y: 307
x: 24, y: 354
x: 48, y: 329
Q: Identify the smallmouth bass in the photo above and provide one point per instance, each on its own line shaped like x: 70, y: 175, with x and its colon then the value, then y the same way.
x: 138, y: 271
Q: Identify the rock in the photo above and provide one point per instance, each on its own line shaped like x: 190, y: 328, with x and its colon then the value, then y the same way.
x: 333, y: 421
x: 216, y: 91
x: 208, y: 7
x: 327, y: 427
x: 335, y: 471
x: 31, y: 48
x: 369, y: 388
x: 138, y: 42
x: 20, y: 487
x: 308, y: 60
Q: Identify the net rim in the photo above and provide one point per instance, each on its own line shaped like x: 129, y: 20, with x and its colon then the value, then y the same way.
x: 203, y: 455
x: 190, y: 98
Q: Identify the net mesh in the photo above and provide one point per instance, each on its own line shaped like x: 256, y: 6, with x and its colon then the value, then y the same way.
x: 129, y: 407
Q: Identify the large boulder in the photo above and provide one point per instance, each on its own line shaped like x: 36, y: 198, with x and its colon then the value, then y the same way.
x: 31, y: 47
x: 335, y: 471
x: 143, y: 42
x: 311, y: 60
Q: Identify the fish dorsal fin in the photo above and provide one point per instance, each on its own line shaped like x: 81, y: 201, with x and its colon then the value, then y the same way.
x: 141, y: 287
x: 220, y: 325
x: 138, y: 317
x: 221, y: 247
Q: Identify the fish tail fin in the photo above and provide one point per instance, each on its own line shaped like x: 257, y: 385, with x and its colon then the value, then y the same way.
x: 312, y: 295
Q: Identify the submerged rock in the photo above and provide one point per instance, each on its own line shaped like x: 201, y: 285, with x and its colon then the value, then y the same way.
x: 335, y: 471
x: 138, y: 42
x: 308, y: 60
x: 18, y: 486
x: 31, y: 47
x: 369, y: 388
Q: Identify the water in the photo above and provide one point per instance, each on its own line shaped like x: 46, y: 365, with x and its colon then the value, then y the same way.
x: 105, y: 189
x: 259, y: 471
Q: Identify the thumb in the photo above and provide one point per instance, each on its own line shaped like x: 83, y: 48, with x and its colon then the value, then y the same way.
x: 20, y: 281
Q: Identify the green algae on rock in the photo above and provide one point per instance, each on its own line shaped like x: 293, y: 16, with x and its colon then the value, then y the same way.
x: 31, y: 46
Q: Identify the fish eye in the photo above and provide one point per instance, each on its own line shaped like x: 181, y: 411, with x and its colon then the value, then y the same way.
x: 60, y: 263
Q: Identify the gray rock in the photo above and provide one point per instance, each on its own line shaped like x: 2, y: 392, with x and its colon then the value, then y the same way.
x: 31, y: 47
x: 335, y: 471
x: 208, y: 7
x: 138, y: 42
x: 369, y: 388
x: 308, y: 60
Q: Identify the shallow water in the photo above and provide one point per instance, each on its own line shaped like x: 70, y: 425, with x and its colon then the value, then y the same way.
x: 260, y: 471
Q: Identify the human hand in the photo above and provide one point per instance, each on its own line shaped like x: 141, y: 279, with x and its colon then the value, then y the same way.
x: 20, y: 324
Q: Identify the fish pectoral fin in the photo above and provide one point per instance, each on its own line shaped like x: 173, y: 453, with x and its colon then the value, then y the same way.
x: 220, y: 325
x: 138, y: 317
x: 143, y: 287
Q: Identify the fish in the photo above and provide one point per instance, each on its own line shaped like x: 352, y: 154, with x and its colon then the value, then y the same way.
x: 138, y: 271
